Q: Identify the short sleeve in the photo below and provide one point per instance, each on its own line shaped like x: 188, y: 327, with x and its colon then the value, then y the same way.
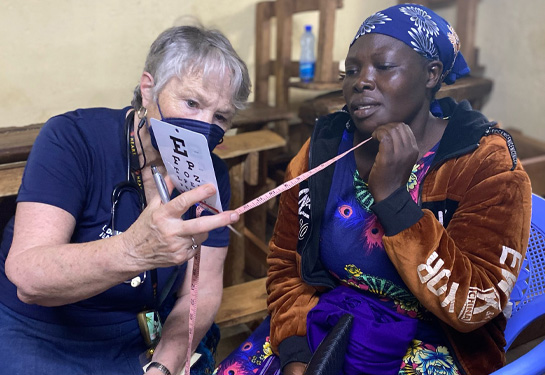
x: 57, y: 167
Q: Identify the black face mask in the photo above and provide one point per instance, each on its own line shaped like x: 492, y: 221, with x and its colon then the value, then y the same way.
x: 212, y: 132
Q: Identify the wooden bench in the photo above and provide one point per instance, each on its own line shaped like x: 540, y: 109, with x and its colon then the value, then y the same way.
x: 10, y: 178
x: 16, y: 142
x: 246, y: 155
x: 243, y: 303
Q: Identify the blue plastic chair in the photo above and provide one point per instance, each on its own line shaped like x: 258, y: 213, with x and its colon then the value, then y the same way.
x: 528, y: 297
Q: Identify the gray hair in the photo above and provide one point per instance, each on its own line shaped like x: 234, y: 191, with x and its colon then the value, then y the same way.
x: 183, y: 50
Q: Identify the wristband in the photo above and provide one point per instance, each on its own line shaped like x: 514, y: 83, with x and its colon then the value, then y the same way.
x: 160, y: 367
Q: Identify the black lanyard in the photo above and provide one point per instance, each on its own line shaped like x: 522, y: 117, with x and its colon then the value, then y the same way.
x: 136, y: 173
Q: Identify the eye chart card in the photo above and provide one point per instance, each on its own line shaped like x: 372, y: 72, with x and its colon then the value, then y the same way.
x: 187, y: 159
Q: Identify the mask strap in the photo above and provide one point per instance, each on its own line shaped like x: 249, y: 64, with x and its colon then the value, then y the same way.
x: 159, y: 108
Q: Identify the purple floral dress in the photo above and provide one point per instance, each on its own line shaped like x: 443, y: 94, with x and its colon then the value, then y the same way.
x: 351, y: 248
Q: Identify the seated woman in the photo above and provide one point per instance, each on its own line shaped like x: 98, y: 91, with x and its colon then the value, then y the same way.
x: 418, y: 234
x: 95, y: 252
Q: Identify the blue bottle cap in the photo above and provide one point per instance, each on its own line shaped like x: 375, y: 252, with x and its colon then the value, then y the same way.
x: 308, y: 27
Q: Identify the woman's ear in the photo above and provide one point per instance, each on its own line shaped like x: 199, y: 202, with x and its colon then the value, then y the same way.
x: 435, y: 69
x: 146, y: 88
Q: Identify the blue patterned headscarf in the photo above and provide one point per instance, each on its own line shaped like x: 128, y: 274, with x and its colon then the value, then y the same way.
x: 424, y: 31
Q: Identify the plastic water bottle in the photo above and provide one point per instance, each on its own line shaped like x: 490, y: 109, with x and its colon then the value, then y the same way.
x: 307, y: 60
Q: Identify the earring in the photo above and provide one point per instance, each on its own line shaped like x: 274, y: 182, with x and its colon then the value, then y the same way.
x: 142, y: 112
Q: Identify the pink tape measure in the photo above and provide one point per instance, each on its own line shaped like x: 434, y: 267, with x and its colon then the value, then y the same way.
x: 192, y: 309
x: 294, y: 181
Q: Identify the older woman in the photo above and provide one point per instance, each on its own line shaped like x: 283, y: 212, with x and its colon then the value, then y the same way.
x: 419, y: 234
x: 72, y: 291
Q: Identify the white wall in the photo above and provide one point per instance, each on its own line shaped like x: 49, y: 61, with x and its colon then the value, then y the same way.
x: 64, y: 54
x: 511, y: 38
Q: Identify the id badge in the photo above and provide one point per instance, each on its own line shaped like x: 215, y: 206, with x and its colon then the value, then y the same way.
x: 150, y: 327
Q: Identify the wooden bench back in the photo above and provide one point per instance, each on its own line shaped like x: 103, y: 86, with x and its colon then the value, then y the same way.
x: 16, y: 142
x: 284, y: 66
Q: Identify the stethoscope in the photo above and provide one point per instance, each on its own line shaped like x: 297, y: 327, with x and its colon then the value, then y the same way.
x: 129, y: 185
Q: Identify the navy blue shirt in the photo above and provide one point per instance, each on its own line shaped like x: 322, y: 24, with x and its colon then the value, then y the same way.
x: 75, y: 163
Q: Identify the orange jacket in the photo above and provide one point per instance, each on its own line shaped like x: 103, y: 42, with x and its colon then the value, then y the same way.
x: 459, y: 250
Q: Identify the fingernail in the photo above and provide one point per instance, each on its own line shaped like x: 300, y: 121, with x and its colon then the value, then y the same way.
x: 209, y: 189
x: 234, y: 216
